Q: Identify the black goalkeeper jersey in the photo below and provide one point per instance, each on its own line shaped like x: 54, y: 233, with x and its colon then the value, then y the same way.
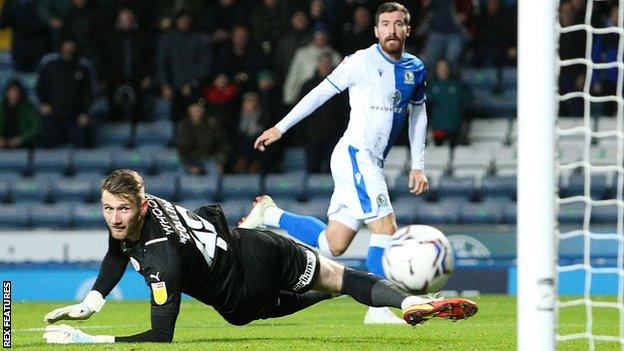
x: 180, y: 251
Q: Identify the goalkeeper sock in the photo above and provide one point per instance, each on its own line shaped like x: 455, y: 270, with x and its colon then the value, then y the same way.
x: 305, y: 228
x: 371, y: 290
x: 376, y: 247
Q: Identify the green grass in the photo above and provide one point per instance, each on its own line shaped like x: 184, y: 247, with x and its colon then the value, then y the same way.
x: 332, y: 325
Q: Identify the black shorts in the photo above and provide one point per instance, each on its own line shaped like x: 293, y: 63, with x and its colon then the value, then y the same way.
x: 270, y: 263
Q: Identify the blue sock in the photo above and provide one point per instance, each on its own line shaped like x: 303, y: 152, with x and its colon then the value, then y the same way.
x: 376, y: 247
x: 304, y: 228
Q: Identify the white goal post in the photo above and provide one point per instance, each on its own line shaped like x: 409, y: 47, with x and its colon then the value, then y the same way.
x: 536, y: 174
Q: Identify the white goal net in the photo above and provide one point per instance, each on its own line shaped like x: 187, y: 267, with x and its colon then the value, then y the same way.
x: 589, y: 237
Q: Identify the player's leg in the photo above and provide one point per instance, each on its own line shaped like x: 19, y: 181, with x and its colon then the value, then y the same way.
x: 290, y: 302
x: 332, y: 238
x: 375, y: 291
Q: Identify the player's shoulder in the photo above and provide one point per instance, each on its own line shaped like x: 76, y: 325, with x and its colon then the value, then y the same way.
x: 412, y: 62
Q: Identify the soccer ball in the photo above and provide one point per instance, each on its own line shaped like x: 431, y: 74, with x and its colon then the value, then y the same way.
x: 419, y: 259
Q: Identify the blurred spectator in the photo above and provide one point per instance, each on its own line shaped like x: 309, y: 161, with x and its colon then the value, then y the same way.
x: 359, y: 34
x: 447, y: 100
x: 84, y: 23
x: 269, y: 21
x: 571, y: 77
x: 304, y: 64
x: 19, y: 118
x: 222, y: 98
x: 66, y: 89
x: 52, y: 13
x: 30, y: 33
x: 241, y: 59
x: 201, y: 139
x: 605, y: 50
x: 270, y: 103
x: 324, y: 127
x: 183, y: 60
x: 127, y: 69
x: 218, y: 17
x: 249, y: 127
x: 496, y: 42
x: 297, y: 36
x: 449, y: 31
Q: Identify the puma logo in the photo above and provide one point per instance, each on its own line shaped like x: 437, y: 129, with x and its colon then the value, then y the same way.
x: 155, y: 276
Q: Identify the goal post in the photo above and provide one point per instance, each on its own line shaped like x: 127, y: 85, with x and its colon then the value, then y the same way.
x: 537, y: 101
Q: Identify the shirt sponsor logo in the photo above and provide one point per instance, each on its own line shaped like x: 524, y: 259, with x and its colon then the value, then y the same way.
x: 306, y: 278
x: 389, y: 109
x: 159, y: 290
x: 408, y: 77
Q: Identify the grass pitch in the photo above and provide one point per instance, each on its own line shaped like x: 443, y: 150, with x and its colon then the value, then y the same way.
x: 330, y: 325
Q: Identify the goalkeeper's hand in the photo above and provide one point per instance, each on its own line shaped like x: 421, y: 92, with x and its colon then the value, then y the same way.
x: 92, y: 303
x: 65, y: 334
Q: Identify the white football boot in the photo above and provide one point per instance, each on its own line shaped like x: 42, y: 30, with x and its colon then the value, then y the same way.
x: 381, y: 315
x: 255, y: 218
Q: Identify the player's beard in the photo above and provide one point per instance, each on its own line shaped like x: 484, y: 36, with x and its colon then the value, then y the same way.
x: 393, y: 47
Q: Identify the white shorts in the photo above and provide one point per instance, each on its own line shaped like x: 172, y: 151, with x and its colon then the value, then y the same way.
x: 360, y: 190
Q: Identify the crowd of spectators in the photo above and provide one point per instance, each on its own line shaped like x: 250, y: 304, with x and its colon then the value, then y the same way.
x: 230, y: 68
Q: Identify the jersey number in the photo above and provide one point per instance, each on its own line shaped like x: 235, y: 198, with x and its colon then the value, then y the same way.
x: 203, y: 232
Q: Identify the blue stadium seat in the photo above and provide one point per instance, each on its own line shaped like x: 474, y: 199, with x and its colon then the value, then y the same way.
x: 14, y: 216
x: 162, y: 110
x: 445, y: 211
x: 193, y: 204
x: 510, y: 213
x: 203, y: 188
x: 319, y: 184
x: 458, y: 187
x: 55, y: 160
x: 497, y: 186
x: 486, y: 212
x: 5, y: 190
x: 114, y: 133
x: 74, y: 189
x: 135, y: 160
x: 241, y: 186
x: 605, y: 215
x: 97, y: 160
x: 58, y: 216
x: 167, y: 161
x: 294, y: 159
x: 288, y: 185
x: 573, y: 212
x: 236, y: 209
x: 405, y: 208
x: 164, y: 185
x: 576, y: 186
x: 14, y: 161
x: 158, y: 133
x: 316, y: 207
x: 31, y: 189
x: 89, y: 216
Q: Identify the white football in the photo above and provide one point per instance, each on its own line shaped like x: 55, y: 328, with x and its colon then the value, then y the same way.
x: 418, y: 259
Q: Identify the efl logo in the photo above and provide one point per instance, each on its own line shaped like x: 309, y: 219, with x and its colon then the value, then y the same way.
x: 6, y: 314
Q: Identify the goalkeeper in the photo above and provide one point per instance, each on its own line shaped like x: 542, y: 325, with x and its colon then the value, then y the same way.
x: 244, y: 274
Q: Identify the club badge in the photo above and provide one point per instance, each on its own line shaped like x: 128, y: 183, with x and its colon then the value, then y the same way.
x: 408, y: 77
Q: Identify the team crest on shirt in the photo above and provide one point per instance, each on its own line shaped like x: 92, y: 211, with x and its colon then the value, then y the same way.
x: 408, y: 77
x: 382, y: 200
x: 394, y: 97
x: 159, y: 290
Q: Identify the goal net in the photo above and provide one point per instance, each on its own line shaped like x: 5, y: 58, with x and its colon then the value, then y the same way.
x: 590, y: 207
x: 570, y: 175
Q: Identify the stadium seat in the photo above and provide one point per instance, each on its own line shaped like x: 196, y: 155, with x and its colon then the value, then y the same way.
x: 14, y: 161
x: 58, y: 216
x: 573, y: 212
x: 574, y: 185
x: 489, y: 130
x: 288, y: 185
x: 135, y: 160
x: 445, y: 211
x: 499, y: 186
x: 606, y: 124
x: 479, y: 77
x: 56, y: 160
x: 316, y: 207
x: 510, y: 213
x: 154, y: 133
x: 164, y: 185
x: 604, y: 154
x: 405, y: 208
x: 397, y: 158
x: 162, y: 110
x: 14, y: 216
x: 167, y: 161
x: 505, y: 160
x: 97, y: 160
x: 235, y: 209
x: 486, y: 212
x: 437, y: 157
x: 319, y: 184
x: 194, y: 204
x: 241, y: 186
x: 30, y: 189
x: 605, y: 215
x: 203, y: 188
x: 89, y: 216
x: 473, y: 157
x: 114, y: 134
x: 456, y: 187
x: 74, y: 189
x: 294, y: 159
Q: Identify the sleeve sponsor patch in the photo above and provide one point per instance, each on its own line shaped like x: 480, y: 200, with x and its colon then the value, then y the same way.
x: 159, y: 290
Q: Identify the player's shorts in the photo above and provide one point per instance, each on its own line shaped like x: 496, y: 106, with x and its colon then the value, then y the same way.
x: 270, y: 263
x: 360, y: 189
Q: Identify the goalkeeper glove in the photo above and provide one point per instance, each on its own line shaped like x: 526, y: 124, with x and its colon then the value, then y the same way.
x: 92, y: 303
x: 65, y: 334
